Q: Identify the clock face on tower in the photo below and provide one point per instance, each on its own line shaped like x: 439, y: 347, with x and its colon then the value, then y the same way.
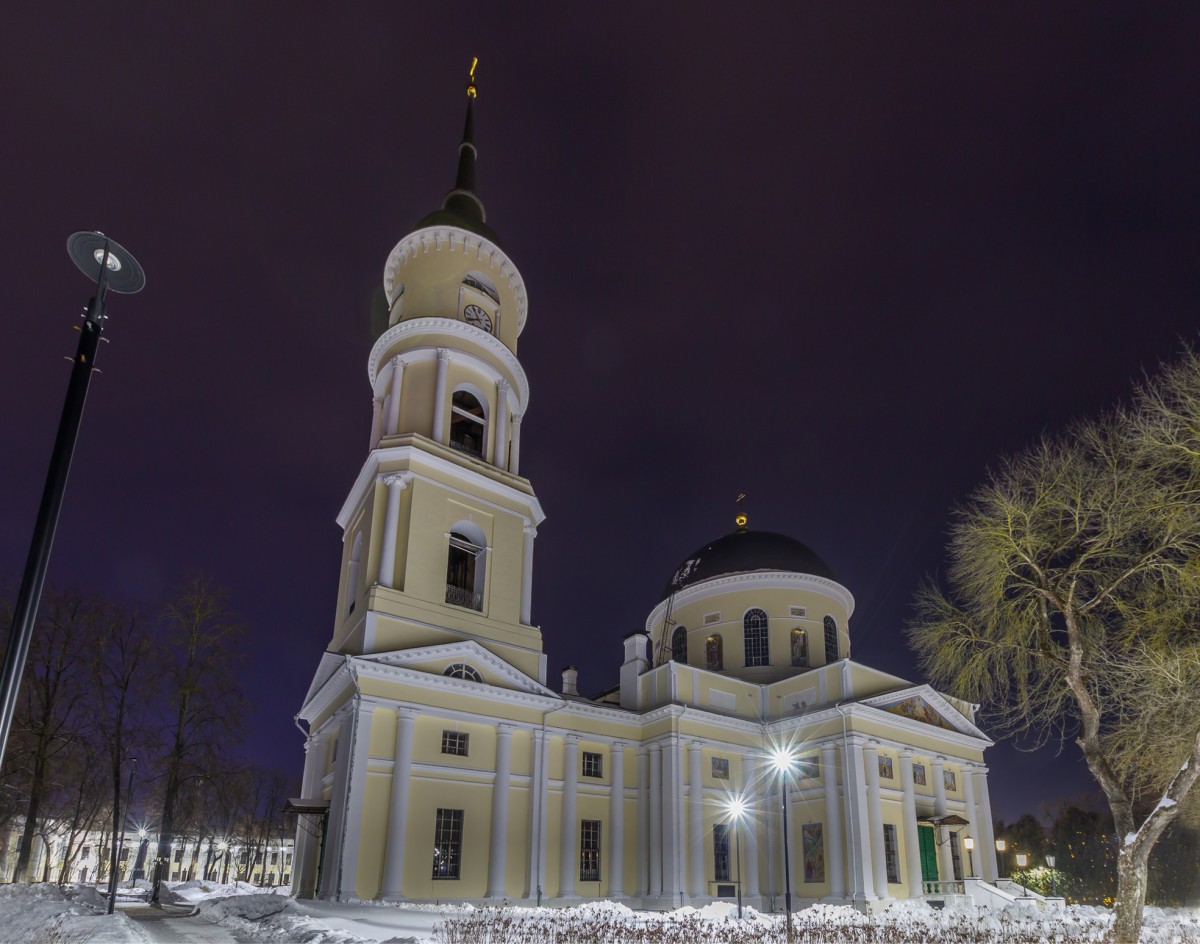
x: 476, y: 316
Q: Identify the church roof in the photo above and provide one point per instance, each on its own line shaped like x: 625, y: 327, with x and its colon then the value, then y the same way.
x: 744, y: 551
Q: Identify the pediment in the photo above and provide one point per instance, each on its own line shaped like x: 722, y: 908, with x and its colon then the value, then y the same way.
x: 434, y: 659
x: 924, y: 705
x: 330, y: 663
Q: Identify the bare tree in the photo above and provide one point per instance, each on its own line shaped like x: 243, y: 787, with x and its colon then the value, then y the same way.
x: 1072, y: 612
x: 199, y: 654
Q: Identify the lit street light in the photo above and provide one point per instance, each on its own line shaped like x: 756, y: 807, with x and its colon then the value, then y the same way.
x: 1022, y: 861
x: 737, y: 810
x: 1002, y: 845
x: 1053, y: 883
x: 784, y: 762
x: 969, y: 844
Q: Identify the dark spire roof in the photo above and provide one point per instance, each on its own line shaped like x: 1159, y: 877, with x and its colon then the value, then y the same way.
x: 745, y: 551
x: 462, y: 206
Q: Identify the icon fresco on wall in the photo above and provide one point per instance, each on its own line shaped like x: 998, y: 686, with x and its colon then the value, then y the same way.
x: 919, y: 775
x: 918, y: 709
x: 814, y: 852
x: 809, y: 768
x: 949, y: 780
x: 885, y: 768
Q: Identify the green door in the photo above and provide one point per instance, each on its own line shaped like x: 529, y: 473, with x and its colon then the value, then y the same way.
x: 929, y: 865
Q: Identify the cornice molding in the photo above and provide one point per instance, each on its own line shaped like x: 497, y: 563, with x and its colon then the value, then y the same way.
x: 422, y: 241
x: 451, y: 330
x: 754, y: 580
x: 466, y: 650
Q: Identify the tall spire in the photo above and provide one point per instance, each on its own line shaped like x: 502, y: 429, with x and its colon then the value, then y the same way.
x: 463, y: 199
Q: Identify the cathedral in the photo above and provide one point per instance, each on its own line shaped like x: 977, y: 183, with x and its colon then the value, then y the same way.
x: 742, y: 752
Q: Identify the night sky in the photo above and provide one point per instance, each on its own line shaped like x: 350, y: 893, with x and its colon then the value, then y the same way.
x: 840, y: 257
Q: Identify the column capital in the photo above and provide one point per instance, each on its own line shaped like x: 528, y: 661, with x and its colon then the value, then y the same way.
x: 376, y: 401
x: 504, y: 729
x: 397, y: 361
x: 938, y: 761
x: 530, y: 530
x: 570, y: 738
x: 872, y: 746
x: 443, y: 354
x: 617, y: 746
x: 503, y: 385
x: 410, y: 714
x: 654, y: 748
x: 397, y: 478
x: 906, y: 753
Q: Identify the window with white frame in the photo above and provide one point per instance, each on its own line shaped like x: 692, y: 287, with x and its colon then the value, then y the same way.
x: 721, y: 852
x: 593, y: 764
x: 831, y: 640
x: 464, y: 571
x: 589, y: 850
x: 447, y: 844
x: 754, y: 625
x: 460, y: 670
x: 891, y: 853
x: 455, y: 742
x: 679, y: 645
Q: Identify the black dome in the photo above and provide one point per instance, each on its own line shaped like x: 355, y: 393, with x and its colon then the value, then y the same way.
x: 744, y: 551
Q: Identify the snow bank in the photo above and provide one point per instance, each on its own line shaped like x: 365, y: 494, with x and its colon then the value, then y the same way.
x: 45, y: 912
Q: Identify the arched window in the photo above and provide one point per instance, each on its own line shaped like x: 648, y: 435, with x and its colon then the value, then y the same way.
x: 465, y: 560
x: 754, y: 625
x: 799, y: 647
x: 460, y: 670
x: 714, y: 657
x: 679, y: 645
x: 352, y: 573
x: 831, y: 640
x: 468, y: 423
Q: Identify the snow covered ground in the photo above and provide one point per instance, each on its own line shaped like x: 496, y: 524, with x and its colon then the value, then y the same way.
x: 47, y: 914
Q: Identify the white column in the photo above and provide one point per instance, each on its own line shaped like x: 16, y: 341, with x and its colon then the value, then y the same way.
x: 972, y: 816
x: 945, y: 861
x: 616, y: 820
x: 439, y: 397
x: 536, y: 866
x: 527, y: 572
x: 750, y: 829
x: 391, y: 422
x: 795, y: 864
x: 643, y: 821
x: 862, y: 884
x: 337, y: 805
x: 656, y: 817
x: 393, y: 861
x: 695, y: 819
x: 391, y: 528
x: 987, y: 840
x: 376, y: 421
x: 834, y: 846
x: 355, y: 792
x: 514, y: 452
x: 499, y: 840
x: 304, y: 875
x: 875, y: 819
x: 672, y: 791
x: 501, y: 437
x: 912, y: 842
x: 569, y: 827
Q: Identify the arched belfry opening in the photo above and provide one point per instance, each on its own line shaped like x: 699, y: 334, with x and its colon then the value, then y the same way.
x: 466, y: 565
x: 468, y: 423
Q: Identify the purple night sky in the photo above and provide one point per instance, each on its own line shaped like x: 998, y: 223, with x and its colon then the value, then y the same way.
x: 840, y: 257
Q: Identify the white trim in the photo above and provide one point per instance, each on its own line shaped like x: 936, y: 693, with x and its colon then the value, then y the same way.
x: 464, y: 651
x: 756, y: 580
x: 936, y: 699
x: 413, y: 455
x: 419, y: 241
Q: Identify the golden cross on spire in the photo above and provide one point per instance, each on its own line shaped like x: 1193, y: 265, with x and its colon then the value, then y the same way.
x: 741, y: 518
x: 471, y: 78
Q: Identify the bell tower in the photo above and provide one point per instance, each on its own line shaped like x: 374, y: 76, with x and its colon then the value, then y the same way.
x: 439, y: 528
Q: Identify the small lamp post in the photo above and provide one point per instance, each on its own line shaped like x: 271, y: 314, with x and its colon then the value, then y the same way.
x: 737, y: 810
x: 969, y: 845
x: 1022, y: 861
x: 1053, y: 877
x: 784, y: 762
x: 1001, y: 846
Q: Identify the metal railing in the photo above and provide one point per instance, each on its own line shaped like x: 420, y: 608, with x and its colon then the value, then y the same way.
x: 458, y: 596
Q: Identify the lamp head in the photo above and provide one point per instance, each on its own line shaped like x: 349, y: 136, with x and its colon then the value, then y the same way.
x: 1050, y: 861
x: 737, y: 809
x: 94, y: 253
x: 1001, y: 845
x: 968, y: 843
x: 1022, y: 860
x: 782, y: 760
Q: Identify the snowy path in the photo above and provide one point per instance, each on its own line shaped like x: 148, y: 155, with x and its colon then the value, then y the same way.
x: 177, y: 926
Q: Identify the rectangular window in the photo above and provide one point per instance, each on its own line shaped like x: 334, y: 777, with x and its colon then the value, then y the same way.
x: 812, y: 838
x: 809, y: 768
x: 124, y: 853
x: 891, y: 853
x: 447, y: 843
x: 720, y: 768
x: 454, y: 743
x: 721, y: 852
x: 955, y: 857
x: 178, y: 855
x: 885, y: 768
x: 593, y: 764
x: 589, y: 850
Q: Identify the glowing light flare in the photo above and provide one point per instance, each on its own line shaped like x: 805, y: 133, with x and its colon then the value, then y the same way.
x: 783, y: 760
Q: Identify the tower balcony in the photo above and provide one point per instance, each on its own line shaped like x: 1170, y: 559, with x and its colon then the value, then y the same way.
x: 459, y: 596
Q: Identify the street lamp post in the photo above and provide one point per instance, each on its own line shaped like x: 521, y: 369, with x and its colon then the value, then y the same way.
x: 1001, y: 846
x: 783, y: 762
x: 1053, y: 877
x: 1022, y: 861
x: 115, y: 270
x: 969, y: 845
x: 737, y: 810
x: 119, y: 839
